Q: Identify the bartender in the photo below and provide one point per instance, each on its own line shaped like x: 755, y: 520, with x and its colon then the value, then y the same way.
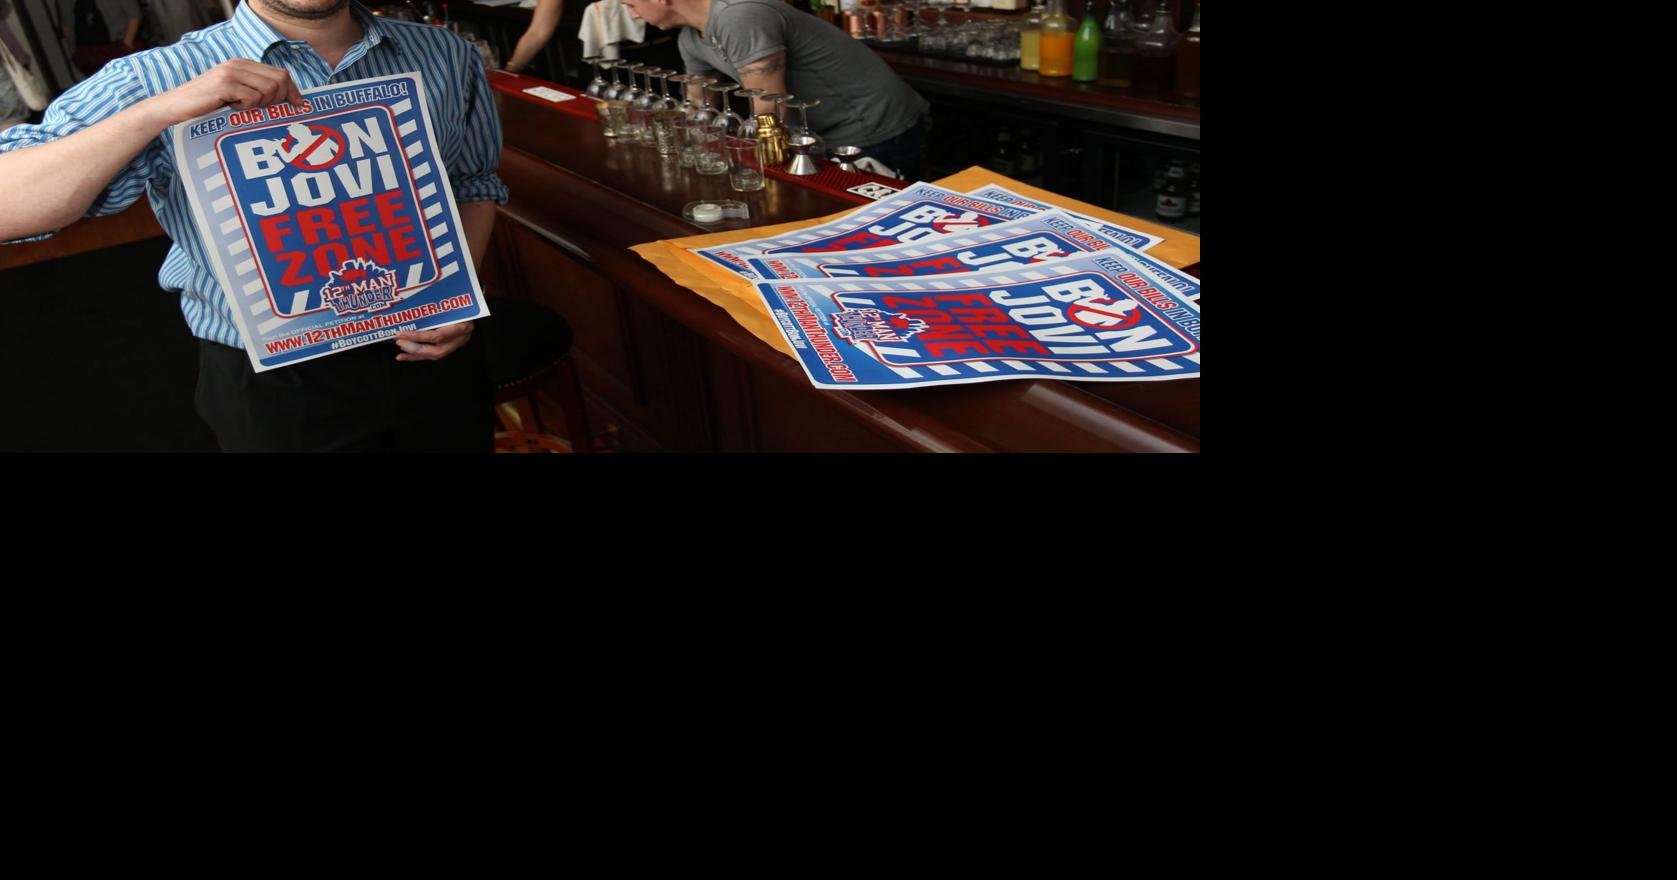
x: 769, y: 45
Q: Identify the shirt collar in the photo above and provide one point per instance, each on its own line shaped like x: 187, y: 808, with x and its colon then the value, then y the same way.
x: 254, y: 37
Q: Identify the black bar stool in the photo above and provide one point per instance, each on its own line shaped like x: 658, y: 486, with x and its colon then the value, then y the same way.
x: 528, y: 348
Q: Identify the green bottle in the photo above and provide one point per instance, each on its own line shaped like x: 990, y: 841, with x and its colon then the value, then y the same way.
x: 1086, y: 47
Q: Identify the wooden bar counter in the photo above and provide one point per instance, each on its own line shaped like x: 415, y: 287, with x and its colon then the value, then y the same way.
x: 673, y: 372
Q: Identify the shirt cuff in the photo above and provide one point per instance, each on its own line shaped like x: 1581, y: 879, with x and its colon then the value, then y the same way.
x: 480, y: 188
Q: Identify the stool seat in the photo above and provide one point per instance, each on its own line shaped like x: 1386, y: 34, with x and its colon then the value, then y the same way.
x: 527, y: 346
x: 522, y: 339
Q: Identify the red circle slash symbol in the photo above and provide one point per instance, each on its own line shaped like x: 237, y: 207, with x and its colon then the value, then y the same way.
x: 964, y: 223
x: 321, y: 153
x: 1103, y: 320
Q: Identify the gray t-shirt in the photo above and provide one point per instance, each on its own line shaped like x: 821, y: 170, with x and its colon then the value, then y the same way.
x: 863, y: 102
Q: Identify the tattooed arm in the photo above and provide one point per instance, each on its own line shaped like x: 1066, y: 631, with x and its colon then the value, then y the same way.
x: 767, y: 73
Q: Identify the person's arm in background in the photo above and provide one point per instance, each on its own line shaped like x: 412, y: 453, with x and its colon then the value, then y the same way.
x: 53, y: 173
x: 543, y: 23
x: 131, y: 13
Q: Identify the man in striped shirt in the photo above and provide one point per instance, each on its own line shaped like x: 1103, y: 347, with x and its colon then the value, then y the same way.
x: 107, y: 140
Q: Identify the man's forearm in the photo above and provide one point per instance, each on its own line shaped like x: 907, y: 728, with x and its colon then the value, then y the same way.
x: 133, y: 32
x: 49, y: 185
x: 479, y: 220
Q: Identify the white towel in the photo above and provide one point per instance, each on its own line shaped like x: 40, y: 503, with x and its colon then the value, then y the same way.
x: 874, y: 166
x: 604, y: 25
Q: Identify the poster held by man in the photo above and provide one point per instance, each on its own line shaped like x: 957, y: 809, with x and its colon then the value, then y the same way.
x: 328, y: 224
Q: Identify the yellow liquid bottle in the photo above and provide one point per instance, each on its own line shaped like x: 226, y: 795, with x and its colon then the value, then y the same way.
x: 1057, y: 38
x: 1030, y: 38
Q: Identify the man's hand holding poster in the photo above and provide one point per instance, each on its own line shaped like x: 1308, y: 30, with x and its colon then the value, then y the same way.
x: 332, y: 225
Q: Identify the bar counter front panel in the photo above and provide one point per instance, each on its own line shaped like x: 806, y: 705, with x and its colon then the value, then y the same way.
x: 673, y: 372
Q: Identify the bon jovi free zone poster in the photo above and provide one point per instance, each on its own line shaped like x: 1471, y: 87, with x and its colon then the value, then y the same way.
x: 331, y: 225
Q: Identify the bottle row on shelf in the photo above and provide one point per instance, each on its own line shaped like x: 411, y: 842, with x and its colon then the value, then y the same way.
x: 1125, y: 51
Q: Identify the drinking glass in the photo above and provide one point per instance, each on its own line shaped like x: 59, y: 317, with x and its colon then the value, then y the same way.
x: 779, y: 100
x: 665, y: 100
x: 707, y: 112
x: 666, y: 131
x: 616, y: 88
x: 640, y: 105
x: 748, y: 124
x: 690, y: 146
x: 745, y: 169
x: 710, y: 157
x: 695, y: 85
x: 614, y: 117
x: 727, y: 122
x: 819, y: 148
x: 597, y: 84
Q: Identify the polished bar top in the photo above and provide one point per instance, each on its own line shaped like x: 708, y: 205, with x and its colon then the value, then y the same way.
x: 595, y: 199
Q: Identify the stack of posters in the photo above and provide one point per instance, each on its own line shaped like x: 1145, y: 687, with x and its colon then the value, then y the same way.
x: 936, y: 287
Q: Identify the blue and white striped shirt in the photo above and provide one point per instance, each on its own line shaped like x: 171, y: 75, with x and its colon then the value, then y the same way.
x: 467, y: 129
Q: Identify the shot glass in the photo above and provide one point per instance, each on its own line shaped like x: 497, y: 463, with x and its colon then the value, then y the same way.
x: 665, y: 135
x: 614, y: 117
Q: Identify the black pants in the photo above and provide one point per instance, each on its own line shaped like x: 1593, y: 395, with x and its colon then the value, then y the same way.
x: 904, y: 152
x: 361, y: 400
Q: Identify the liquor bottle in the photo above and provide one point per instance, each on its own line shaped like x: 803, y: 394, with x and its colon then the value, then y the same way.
x: 1118, y: 44
x: 1030, y: 158
x: 1086, y: 46
x: 1030, y: 38
x: 1188, y: 61
x: 1005, y: 161
x: 1194, y: 190
x: 1170, y: 200
x: 1155, y: 49
x: 1056, y: 40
